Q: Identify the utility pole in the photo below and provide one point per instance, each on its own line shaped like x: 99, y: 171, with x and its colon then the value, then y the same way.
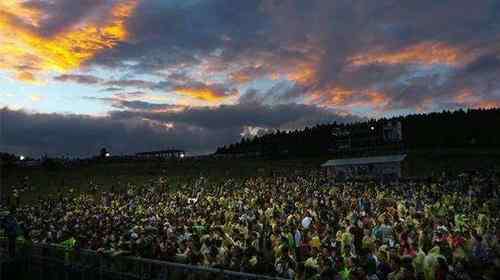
x: 2, y: 164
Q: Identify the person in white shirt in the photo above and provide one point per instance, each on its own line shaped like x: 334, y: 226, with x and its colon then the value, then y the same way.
x: 306, y: 222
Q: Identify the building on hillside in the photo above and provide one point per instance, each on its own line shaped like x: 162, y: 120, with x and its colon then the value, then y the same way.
x: 368, y: 137
x: 342, y: 139
x: 164, y: 154
x: 392, y: 132
x: 385, y: 168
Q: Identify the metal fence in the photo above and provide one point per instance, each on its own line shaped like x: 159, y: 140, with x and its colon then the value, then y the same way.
x: 53, y: 262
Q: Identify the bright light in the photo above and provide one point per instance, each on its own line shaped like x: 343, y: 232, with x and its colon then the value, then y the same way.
x: 182, y: 155
x: 21, y: 157
x: 107, y: 154
x: 372, y: 127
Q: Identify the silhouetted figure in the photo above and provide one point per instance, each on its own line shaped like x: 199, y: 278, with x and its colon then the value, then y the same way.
x: 9, y: 224
x: 17, y: 198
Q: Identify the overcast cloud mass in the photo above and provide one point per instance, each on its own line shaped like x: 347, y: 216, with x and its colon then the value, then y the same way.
x: 138, y: 75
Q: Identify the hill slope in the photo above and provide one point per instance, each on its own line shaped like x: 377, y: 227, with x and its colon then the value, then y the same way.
x: 479, y: 128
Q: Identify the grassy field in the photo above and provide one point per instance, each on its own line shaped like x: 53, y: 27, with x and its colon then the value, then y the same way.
x: 454, y: 161
x: 106, y: 174
x: 49, y: 180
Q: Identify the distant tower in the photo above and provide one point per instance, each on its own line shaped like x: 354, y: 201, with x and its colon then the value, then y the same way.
x: 104, y: 153
x: 393, y: 132
x: 342, y: 139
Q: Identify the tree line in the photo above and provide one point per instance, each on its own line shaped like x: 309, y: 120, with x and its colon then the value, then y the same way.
x: 472, y: 128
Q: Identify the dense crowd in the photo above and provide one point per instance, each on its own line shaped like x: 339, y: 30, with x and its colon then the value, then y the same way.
x: 298, y: 227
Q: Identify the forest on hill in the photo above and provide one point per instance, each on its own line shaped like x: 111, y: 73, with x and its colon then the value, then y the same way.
x: 473, y: 128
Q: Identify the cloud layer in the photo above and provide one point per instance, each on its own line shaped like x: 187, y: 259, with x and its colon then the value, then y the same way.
x: 197, y: 130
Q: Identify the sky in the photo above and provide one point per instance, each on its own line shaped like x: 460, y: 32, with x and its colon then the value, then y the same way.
x: 140, y: 75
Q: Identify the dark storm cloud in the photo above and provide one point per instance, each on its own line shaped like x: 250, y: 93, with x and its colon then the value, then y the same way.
x: 285, y: 116
x: 141, y: 105
x: 80, y: 79
x: 478, y: 79
x: 56, y: 134
x: 252, y: 96
x: 198, y: 130
x: 474, y: 84
x: 111, y: 89
x: 118, y: 102
x: 128, y: 94
x: 484, y: 64
x: 280, y: 93
x: 167, y: 34
x: 129, y: 83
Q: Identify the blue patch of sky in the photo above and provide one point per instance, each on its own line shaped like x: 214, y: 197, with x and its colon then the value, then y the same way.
x: 440, y: 71
x: 54, y: 97
x: 261, y: 85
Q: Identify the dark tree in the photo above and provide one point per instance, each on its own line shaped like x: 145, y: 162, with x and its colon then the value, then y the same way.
x: 447, y: 129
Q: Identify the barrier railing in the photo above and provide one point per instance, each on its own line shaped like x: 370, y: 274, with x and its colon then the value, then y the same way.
x: 53, y: 262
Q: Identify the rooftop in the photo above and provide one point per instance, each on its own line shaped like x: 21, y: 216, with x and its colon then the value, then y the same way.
x: 161, y: 152
x: 364, y: 160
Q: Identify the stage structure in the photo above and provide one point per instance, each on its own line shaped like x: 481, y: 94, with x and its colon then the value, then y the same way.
x: 386, y: 168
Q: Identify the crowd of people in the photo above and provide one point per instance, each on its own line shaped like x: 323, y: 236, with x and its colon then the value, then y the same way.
x: 296, y: 227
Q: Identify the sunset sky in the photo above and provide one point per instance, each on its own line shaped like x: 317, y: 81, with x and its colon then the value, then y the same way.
x: 139, y: 75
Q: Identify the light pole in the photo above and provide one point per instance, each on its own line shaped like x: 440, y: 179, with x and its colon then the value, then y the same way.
x: 2, y: 164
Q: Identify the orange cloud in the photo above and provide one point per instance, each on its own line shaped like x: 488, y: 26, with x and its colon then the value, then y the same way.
x: 36, y: 98
x: 469, y: 99
x: 304, y: 74
x: 336, y: 96
x: 343, y: 97
x: 25, y: 14
x: 27, y: 77
x: 377, y: 99
x: 249, y: 73
x: 423, y: 53
x: 205, y: 93
x: 465, y: 96
x: 301, y: 68
x: 425, y: 105
x: 21, y: 44
x: 488, y: 104
x: 304, y: 71
x: 241, y: 77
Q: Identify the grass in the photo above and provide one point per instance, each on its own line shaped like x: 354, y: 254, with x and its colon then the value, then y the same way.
x: 118, y: 174
x: 106, y: 174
